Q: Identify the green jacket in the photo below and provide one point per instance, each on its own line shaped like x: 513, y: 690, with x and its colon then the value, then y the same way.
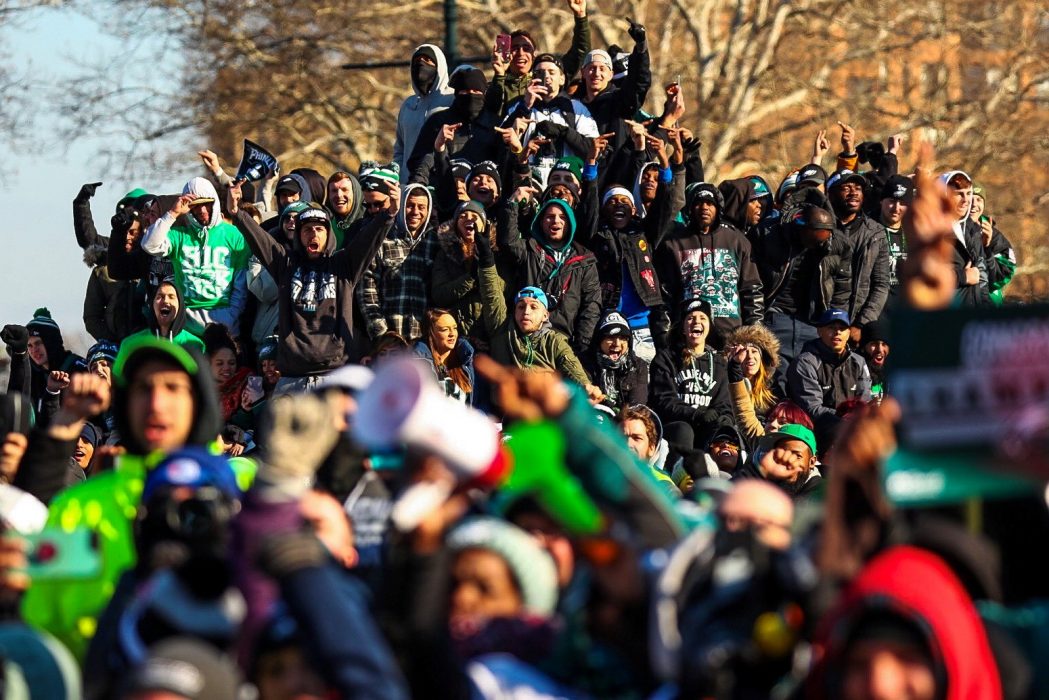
x: 106, y: 504
x: 546, y: 348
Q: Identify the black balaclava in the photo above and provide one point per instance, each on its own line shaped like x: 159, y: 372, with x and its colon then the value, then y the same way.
x: 423, y: 74
x: 468, y: 105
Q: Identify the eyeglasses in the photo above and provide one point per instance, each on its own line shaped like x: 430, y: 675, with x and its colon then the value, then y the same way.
x: 374, y: 206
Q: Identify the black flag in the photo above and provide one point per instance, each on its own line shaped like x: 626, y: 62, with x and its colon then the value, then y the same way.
x: 257, y: 163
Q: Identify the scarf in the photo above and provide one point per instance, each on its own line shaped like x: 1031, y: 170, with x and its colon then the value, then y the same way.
x: 230, y: 390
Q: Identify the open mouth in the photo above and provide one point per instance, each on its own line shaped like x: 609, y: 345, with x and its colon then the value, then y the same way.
x: 614, y: 355
x: 696, y: 332
x: 166, y: 312
x: 155, y: 432
x: 620, y: 215
x: 313, y: 247
x: 79, y: 454
x: 725, y: 453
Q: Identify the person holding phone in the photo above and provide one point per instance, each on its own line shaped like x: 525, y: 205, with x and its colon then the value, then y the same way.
x: 997, y: 250
x: 512, y: 68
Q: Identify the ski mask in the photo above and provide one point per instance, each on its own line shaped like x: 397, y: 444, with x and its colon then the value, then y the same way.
x: 469, y: 105
x: 423, y: 75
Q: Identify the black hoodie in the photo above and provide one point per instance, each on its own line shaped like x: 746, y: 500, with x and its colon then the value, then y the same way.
x: 315, y: 323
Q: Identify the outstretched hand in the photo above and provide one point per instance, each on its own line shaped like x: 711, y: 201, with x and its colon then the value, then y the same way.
x: 927, y: 275
x: 524, y: 395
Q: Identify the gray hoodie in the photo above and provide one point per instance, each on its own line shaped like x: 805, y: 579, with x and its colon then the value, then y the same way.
x: 417, y: 108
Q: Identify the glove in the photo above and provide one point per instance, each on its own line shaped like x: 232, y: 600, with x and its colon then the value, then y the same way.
x: 636, y: 32
x: 87, y: 191
x: 735, y: 371
x: 485, y: 256
x: 298, y: 432
x: 705, y: 416
x: 691, y: 145
x: 16, y: 338
x: 551, y: 130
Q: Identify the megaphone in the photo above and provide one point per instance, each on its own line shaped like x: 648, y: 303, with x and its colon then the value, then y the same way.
x: 256, y: 164
x: 404, y: 405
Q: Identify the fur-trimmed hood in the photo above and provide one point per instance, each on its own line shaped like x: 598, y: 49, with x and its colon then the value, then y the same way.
x: 96, y: 254
x: 759, y: 335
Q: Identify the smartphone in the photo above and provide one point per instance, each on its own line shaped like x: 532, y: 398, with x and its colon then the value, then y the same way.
x: 984, y: 217
x: 502, y: 45
x: 674, y: 87
x: 54, y: 553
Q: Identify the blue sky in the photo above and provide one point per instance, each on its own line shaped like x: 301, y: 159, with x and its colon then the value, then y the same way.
x: 43, y: 265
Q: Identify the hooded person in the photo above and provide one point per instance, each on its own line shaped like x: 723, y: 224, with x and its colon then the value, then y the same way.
x: 163, y: 398
x: 904, y: 625
x: 553, y: 261
x: 37, y: 349
x: 620, y: 374
x: 109, y: 311
x: 997, y: 250
x: 316, y: 282
x: 705, y: 258
x: 753, y: 359
x: 747, y: 201
x: 432, y: 93
x: 345, y: 201
x: 723, y: 455
x: 210, y: 257
x: 475, y: 138
x: 166, y: 315
x: 785, y: 457
x: 394, y: 292
x: 970, y: 263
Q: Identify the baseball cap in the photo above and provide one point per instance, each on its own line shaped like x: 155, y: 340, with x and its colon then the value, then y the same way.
x: 352, y: 378
x: 831, y: 315
x: 812, y: 174
x: 598, y: 56
x: 136, y: 349
x: 843, y: 176
x: 761, y: 188
x: 613, y: 324
x: 533, y: 293
x: 790, y: 431
x: 898, y: 187
x: 194, y: 467
x: 313, y: 215
x: 288, y: 184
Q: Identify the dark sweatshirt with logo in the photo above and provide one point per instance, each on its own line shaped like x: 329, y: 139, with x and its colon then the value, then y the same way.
x: 315, y: 321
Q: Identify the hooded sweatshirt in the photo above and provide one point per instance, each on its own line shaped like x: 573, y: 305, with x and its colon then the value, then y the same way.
x: 565, y: 271
x: 315, y: 323
x: 968, y: 251
x: 716, y: 267
x: 918, y: 586
x: 344, y: 225
x: 395, y: 291
x: 177, y: 332
x: 210, y: 262
x: 417, y: 108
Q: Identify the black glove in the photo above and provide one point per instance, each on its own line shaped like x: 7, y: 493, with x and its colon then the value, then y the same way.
x: 705, y: 416
x: 735, y: 370
x: 87, y: 191
x: 551, y: 130
x: 690, y: 145
x: 485, y: 256
x: 16, y: 338
x: 636, y: 32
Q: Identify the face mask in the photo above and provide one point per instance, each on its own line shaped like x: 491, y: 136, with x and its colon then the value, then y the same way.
x: 469, y: 105
x: 423, y: 75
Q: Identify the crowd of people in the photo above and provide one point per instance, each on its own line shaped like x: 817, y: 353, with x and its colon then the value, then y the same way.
x: 531, y: 410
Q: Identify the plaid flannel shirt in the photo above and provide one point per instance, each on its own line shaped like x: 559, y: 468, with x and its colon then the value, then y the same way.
x: 395, y: 291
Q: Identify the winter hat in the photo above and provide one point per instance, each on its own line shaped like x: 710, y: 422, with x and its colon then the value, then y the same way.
x: 42, y: 323
x: 194, y: 467
x: 699, y: 304
x: 899, y: 187
x: 705, y: 191
x: 471, y: 205
x: 379, y: 178
x: 533, y: 293
x: 468, y: 78
x: 102, y: 350
x: 131, y: 196
x: 570, y: 164
x: 598, y: 56
x: 90, y: 433
x: 460, y: 168
x: 188, y: 668
x: 485, y: 167
x: 268, y: 348
x: 841, y: 177
x: 613, y: 324
x: 878, y: 329
x: 811, y: 175
x: 49, y: 670
x: 532, y: 568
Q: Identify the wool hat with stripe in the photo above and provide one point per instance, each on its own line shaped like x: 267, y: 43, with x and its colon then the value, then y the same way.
x: 379, y: 178
x: 42, y: 322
